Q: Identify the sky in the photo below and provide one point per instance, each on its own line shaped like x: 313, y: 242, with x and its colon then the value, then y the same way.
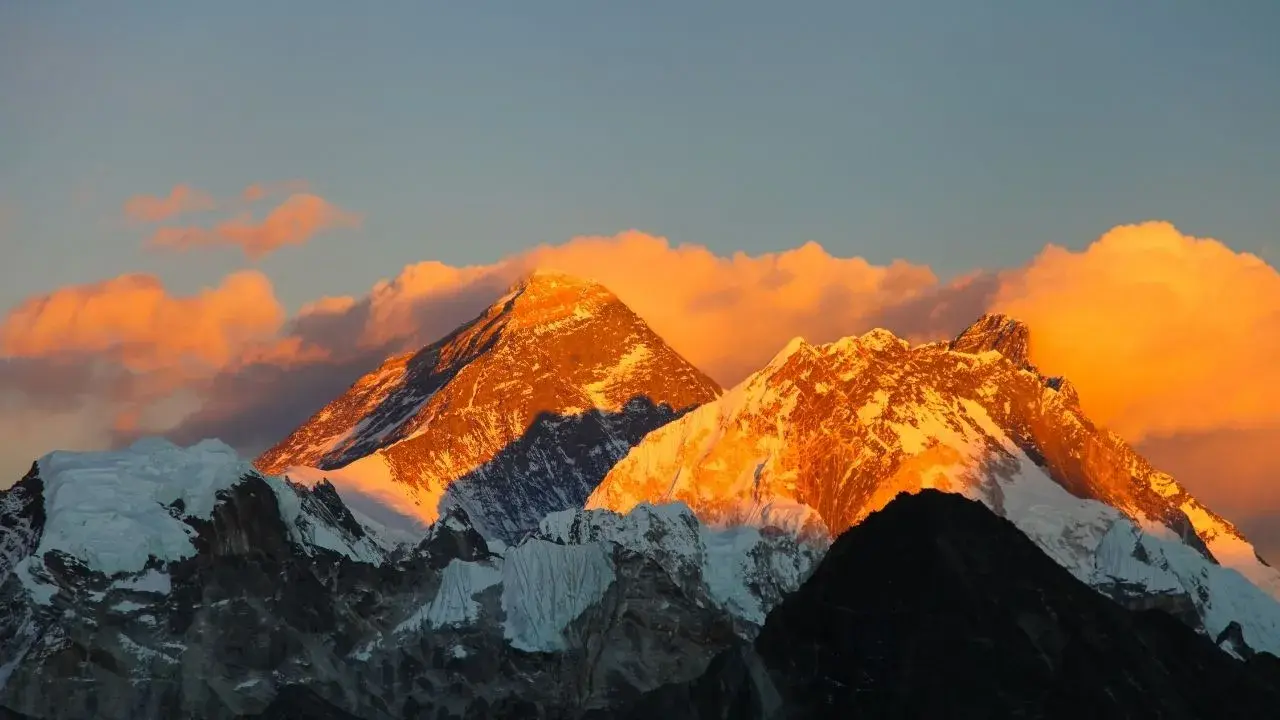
x: 200, y: 201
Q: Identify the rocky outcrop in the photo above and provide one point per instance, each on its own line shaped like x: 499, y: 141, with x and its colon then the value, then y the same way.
x: 936, y: 607
x: 997, y: 333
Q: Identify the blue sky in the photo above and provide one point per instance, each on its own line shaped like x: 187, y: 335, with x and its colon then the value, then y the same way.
x: 955, y: 134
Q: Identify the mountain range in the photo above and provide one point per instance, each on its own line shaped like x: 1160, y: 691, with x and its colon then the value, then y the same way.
x: 549, y: 513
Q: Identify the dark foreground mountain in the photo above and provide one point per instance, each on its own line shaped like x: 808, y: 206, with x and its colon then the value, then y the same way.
x: 934, y: 607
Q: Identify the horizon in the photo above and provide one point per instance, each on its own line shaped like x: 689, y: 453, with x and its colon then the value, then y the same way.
x: 215, y: 222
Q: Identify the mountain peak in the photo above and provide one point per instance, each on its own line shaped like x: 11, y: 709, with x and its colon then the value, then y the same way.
x: 548, y: 296
x: 549, y: 276
x: 559, y: 362
x: 995, y: 331
x: 543, y: 280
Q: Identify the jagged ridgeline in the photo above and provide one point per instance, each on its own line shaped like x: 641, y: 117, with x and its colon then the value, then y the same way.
x: 550, y: 513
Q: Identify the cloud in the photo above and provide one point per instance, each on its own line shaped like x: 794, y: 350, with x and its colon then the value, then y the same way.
x: 181, y: 200
x: 1174, y: 360
x: 133, y: 319
x: 1161, y: 332
x: 42, y: 386
x: 726, y: 314
x: 1173, y: 343
x: 326, y: 347
x: 123, y: 354
x: 1234, y: 471
x: 1170, y: 339
x: 294, y: 222
x: 1240, y: 466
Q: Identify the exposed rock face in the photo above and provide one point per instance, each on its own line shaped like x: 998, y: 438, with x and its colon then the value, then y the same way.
x: 998, y: 333
x: 824, y: 436
x: 936, y: 607
x: 271, y: 600
x: 295, y: 702
x: 21, y: 520
x: 519, y: 413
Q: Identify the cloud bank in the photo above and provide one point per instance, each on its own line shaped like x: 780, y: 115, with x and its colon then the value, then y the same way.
x: 1172, y: 340
x: 134, y: 321
x: 1162, y: 332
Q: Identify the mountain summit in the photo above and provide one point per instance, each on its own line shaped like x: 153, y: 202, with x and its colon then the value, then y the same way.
x: 518, y: 413
x: 995, y: 332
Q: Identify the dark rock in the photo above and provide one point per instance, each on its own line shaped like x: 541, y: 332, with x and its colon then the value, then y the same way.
x: 324, y: 502
x: 295, y: 702
x: 450, y: 538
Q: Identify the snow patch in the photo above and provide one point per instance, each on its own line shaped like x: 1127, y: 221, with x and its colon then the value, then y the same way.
x: 545, y: 586
x: 117, y: 510
x: 454, y: 603
x: 112, y: 509
x: 726, y: 570
x: 598, y: 391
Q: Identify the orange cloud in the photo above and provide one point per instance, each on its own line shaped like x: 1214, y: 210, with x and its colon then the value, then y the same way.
x: 1164, y: 335
x: 293, y: 222
x: 182, y: 199
x: 1160, y: 331
x: 1235, y: 471
x: 1238, y: 469
x: 134, y: 319
x: 727, y: 315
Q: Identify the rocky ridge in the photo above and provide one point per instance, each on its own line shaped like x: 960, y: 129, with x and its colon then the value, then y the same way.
x: 825, y: 435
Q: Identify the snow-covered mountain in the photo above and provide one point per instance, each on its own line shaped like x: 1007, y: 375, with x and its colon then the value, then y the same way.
x: 515, y: 414
x: 160, y: 581
x: 825, y: 435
